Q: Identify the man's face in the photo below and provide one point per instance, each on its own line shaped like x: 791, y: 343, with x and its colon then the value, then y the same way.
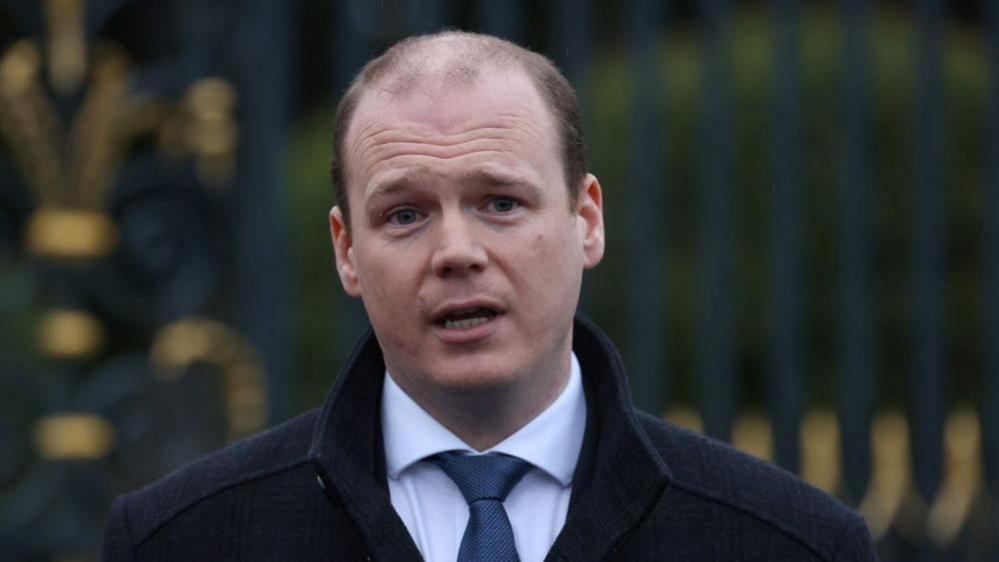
x: 462, y: 242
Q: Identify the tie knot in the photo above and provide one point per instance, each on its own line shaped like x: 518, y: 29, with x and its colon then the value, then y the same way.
x: 481, y: 477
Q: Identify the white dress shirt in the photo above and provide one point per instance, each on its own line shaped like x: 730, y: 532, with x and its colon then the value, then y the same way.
x: 432, y: 507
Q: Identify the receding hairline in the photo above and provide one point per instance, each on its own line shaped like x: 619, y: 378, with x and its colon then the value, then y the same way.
x: 461, y: 57
x: 448, y: 55
x: 433, y: 62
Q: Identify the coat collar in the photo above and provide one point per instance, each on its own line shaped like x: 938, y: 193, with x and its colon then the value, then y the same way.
x: 619, y: 478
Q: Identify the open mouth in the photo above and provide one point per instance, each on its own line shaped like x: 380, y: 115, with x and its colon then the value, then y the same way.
x: 466, y: 319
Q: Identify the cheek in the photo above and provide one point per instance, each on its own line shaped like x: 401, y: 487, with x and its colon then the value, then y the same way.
x: 547, y: 268
x: 389, y: 281
x: 556, y: 255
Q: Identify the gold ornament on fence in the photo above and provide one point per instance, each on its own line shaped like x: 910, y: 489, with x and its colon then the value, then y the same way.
x: 190, y: 341
x: 891, y: 500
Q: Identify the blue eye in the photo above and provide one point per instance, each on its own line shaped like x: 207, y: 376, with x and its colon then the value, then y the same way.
x: 404, y: 217
x: 503, y: 204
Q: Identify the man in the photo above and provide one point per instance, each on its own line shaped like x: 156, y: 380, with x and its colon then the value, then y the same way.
x: 479, y: 420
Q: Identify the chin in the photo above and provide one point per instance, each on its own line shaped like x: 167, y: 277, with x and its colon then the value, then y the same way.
x: 470, y: 379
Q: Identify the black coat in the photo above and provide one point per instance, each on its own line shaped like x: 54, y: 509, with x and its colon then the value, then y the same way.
x: 314, y: 488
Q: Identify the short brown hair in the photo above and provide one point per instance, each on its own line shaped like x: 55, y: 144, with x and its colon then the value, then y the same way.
x: 476, y: 49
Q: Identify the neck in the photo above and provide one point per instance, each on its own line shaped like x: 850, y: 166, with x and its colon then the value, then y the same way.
x: 484, y: 417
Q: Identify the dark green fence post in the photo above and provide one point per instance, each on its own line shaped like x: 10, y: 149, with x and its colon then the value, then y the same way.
x: 929, y: 260
x: 646, y: 280
x: 990, y: 401
x: 570, y: 49
x: 351, y: 49
x: 787, y: 349
x: 503, y: 18
x: 718, y: 381
x: 261, y: 264
x: 427, y: 16
x: 858, y: 375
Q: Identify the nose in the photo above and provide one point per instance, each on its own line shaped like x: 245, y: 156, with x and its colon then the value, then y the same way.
x: 459, y: 250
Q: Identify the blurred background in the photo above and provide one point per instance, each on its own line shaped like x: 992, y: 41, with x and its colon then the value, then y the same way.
x: 801, y: 203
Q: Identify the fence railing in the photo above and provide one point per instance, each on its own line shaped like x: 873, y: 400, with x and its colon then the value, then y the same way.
x: 803, y: 261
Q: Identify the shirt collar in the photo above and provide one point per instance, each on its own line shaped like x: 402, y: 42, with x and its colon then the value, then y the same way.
x: 551, y: 441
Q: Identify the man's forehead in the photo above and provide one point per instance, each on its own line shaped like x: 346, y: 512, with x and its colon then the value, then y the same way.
x: 446, y: 103
x: 437, y: 79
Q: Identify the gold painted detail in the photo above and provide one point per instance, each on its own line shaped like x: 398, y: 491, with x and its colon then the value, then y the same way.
x: 820, y: 452
x: 19, y: 67
x: 96, y: 143
x: 30, y: 126
x: 67, y: 44
x: 753, y: 434
x: 892, y: 500
x: 205, y: 128
x: 66, y: 233
x: 73, y: 166
x: 962, y: 444
x: 70, y: 334
x: 73, y: 436
x: 685, y: 416
x: 211, y: 133
x: 889, y: 482
x: 179, y: 345
x: 28, y: 122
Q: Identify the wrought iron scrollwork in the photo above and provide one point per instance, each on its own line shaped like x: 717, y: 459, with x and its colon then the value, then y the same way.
x: 114, y: 200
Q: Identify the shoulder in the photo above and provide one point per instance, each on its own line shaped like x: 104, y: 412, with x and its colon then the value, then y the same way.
x: 268, y: 455
x: 742, y: 487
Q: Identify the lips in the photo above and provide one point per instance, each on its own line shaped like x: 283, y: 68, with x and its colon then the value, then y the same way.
x: 465, y: 316
x: 468, y: 319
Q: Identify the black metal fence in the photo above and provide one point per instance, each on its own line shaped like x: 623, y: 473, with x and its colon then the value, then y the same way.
x: 804, y: 262
x: 141, y: 243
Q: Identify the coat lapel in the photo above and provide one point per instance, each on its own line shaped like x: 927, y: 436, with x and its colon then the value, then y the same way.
x: 620, y: 477
x: 618, y: 481
x: 349, y: 457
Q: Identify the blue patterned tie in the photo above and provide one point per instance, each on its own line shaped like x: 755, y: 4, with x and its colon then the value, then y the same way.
x: 485, y: 481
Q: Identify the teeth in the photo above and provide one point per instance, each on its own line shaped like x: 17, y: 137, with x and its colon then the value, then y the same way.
x: 465, y: 324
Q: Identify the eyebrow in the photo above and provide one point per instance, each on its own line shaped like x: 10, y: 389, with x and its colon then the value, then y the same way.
x: 480, y: 178
x: 486, y: 179
x: 395, y: 184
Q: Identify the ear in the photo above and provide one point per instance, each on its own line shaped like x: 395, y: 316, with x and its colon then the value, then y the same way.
x: 343, y: 247
x: 590, y: 213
